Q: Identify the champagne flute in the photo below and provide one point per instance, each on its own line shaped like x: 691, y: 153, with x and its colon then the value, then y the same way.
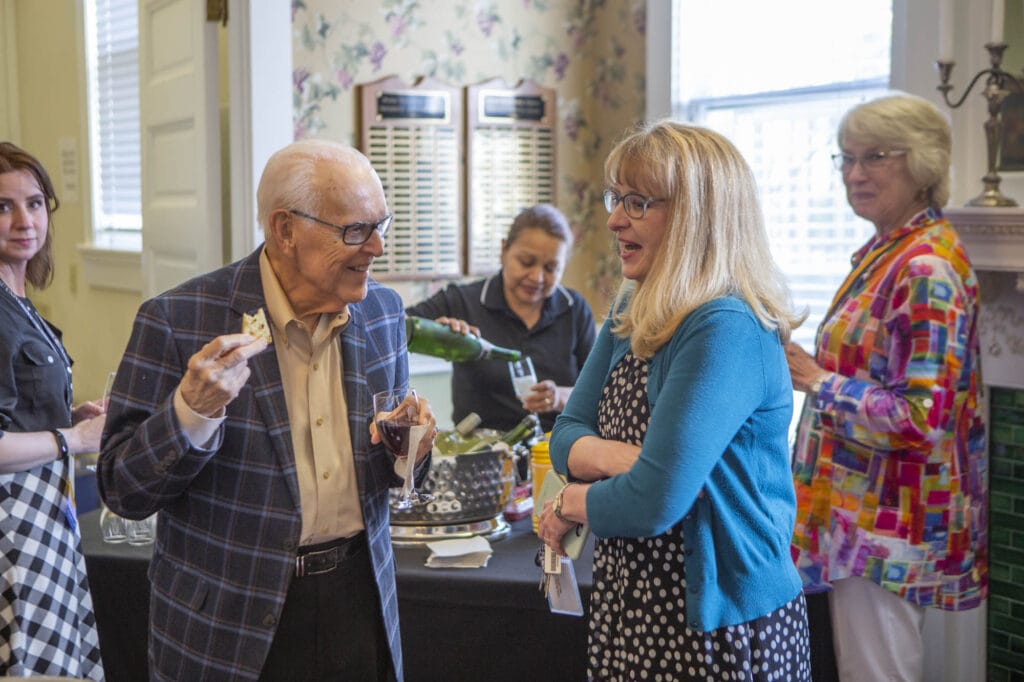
x: 396, y: 416
x: 107, y: 387
x: 523, y: 376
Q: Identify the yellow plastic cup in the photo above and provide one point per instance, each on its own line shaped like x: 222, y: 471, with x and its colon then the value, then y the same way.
x: 540, y: 465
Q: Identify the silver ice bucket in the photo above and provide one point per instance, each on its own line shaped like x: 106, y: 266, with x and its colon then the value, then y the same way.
x: 469, y: 487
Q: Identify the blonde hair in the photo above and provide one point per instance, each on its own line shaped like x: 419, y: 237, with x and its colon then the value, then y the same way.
x: 715, y: 241
x: 906, y: 122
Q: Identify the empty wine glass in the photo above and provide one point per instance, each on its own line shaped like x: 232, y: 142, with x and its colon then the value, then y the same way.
x: 523, y: 376
x: 105, y: 400
x: 141, y: 532
x: 396, y: 416
x: 113, y: 526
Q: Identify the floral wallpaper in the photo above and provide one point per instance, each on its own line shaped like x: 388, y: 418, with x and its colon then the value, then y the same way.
x: 592, y: 52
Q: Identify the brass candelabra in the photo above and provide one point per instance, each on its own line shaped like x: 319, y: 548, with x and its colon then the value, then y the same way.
x: 998, y: 85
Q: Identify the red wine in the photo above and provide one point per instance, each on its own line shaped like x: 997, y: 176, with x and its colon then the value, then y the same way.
x: 395, y: 435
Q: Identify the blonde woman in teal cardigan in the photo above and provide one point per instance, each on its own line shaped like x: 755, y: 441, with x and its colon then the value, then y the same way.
x: 675, y: 437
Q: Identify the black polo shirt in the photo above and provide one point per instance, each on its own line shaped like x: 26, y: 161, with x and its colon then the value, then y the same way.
x: 558, y: 345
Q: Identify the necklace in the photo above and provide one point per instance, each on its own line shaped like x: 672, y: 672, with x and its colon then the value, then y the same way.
x: 43, y: 328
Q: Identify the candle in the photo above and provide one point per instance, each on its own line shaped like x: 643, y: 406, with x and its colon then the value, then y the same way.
x: 998, y: 10
x: 946, y: 21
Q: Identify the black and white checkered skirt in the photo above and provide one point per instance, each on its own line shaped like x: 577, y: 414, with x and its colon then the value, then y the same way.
x: 47, y: 625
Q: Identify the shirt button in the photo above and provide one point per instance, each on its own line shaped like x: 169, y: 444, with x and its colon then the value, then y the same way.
x: 327, y: 474
x: 319, y: 421
x: 49, y: 359
x: 269, y: 619
x: 316, y: 366
x: 927, y: 402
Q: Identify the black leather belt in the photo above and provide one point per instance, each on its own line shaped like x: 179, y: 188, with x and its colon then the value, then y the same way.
x: 325, y: 557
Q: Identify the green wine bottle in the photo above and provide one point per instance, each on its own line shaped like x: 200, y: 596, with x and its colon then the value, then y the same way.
x: 461, y: 438
x: 433, y: 338
x: 524, y: 430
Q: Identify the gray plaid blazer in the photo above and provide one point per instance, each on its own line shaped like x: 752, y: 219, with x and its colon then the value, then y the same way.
x: 229, y: 520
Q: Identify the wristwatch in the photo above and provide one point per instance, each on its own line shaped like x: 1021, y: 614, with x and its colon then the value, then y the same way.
x: 557, y: 506
x: 815, y: 386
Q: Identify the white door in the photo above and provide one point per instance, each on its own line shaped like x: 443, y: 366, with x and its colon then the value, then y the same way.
x: 180, y: 145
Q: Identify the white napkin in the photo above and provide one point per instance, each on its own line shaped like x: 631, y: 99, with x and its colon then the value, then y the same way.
x: 472, y: 552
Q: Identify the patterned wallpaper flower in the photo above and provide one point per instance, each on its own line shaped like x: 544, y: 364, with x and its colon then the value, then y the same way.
x: 591, y: 52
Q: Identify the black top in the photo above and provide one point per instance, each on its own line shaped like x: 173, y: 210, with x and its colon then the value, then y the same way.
x: 35, y: 383
x: 558, y: 345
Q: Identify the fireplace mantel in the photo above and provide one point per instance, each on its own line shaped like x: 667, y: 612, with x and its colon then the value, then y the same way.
x: 994, y: 238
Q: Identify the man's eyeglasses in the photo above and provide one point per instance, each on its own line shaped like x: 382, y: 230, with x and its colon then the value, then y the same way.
x: 355, y: 233
x: 871, y: 161
x: 634, y: 204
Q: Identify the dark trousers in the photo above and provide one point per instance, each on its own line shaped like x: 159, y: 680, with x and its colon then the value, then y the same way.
x: 331, y: 627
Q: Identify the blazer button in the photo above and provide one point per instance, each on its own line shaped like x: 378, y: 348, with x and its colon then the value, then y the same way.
x: 269, y: 619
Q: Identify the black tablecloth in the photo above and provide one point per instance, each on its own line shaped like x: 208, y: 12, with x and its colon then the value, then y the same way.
x: 457, y: 624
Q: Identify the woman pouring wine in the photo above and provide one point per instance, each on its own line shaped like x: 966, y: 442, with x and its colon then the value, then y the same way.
x: 523, y: 307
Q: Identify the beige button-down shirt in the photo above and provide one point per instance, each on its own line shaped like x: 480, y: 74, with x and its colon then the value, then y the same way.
x: 311, y: 370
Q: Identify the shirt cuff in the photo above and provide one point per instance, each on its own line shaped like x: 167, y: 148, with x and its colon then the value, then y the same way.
x: 199, y: 430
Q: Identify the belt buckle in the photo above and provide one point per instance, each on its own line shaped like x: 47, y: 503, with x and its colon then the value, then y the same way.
x: 300, y: 562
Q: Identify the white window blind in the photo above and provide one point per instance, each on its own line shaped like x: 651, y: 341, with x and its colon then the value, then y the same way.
x: 112, y: 45
x: 783, y: 75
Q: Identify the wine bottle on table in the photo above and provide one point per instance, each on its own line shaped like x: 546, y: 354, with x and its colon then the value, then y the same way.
x: 460, y: 439
x: 524, y: 430
x: 433, y: 338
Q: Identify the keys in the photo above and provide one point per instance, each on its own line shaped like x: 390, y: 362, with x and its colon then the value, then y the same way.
x: 551, y: 564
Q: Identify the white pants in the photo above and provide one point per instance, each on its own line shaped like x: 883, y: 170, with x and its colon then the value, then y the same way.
x: 877, y: 635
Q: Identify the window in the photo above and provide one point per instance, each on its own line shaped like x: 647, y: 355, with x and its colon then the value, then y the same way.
x: 776, y: 83
x: 112, y: 45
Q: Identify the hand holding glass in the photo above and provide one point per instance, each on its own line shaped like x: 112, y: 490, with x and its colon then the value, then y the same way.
x: 396, y: 416
x: 523, y: 376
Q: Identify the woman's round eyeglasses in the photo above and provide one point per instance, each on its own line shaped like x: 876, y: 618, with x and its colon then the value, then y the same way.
x: 635, y: 205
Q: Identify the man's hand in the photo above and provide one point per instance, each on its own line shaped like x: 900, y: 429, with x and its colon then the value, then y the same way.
x: 218, y: 371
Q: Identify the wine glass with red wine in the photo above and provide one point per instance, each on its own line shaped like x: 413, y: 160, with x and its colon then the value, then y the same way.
x: 397, y: 418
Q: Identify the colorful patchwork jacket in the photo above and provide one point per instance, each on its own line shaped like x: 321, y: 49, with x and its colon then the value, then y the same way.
x: 890, y: 459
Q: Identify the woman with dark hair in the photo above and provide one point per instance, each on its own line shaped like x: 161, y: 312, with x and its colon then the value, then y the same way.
x: 45, y: 607
x: 523, y: 306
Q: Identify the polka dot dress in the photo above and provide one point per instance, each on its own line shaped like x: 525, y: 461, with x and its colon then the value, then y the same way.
x: 637, y: 610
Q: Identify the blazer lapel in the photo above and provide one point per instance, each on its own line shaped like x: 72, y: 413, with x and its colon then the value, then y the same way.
x: 358, y: 397
x: 265, y: 380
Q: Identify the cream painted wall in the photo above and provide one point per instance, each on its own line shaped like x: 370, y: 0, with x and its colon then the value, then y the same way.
x: 96, y: 323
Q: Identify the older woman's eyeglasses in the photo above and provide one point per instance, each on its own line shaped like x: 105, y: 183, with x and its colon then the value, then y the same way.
x: 635, y: 205
x: 871, y: 161
x: 353, y: 234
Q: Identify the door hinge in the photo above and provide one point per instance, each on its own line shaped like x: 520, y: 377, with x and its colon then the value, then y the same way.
x: 217, y: 10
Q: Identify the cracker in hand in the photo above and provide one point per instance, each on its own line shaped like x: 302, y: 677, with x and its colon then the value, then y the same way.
x: 256, y: 325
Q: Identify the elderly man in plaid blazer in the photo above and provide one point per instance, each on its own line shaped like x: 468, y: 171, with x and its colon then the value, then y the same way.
x: 273, y: 557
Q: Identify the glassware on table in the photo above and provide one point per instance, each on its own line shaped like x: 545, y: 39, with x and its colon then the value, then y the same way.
x: 113, y: 527
x: 523, y: 376
x: 396, y: 416
x: 141, y: 532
